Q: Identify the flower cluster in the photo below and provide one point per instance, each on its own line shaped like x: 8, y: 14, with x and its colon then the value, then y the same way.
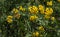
x: 21, y: 8
x: 32, y: 18
x: 48, y: 12
x: 16, y: 14
x: 36, y: 34
x: 15, y: 10
x: 9, y: 19
x: 41, y: 9
x: 49, y: 3
x: 41, y: 28
x: 33, y: 9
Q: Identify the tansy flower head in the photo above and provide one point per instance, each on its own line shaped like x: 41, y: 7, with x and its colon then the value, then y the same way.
x: 36, y: 34
x: 32, y: 18
x: 33, y: 9
x: 41, y: 9
x: 52, y: 18
x: 48, y: 11
x: 41, y: 28
x: 9, y: 19
x: 21, y: 8
x: 49, y: 3
x: 15, y: 10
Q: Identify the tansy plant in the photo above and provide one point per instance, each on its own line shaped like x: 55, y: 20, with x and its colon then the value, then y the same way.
x: 33, y: 17
x: 31, y: 20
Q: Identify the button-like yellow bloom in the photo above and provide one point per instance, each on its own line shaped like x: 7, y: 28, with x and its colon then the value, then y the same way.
x: 41, y: 9
x: 49, y: 11
x: 9, y: 19
x: 33, y: 9
x: 21, y: 8
x: 36, y: 34
x: 32, y: 18
x: 52, y: 18
x: 49, y: 3
x: 41, y: 28
x: 15, y: 10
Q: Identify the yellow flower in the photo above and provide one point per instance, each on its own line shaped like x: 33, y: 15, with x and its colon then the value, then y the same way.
x: 49, y: 3
x: 36, y: 34
x: 58, y: 0
x: 32, y: 18
x: 52, y: 18
x: 15, y: 10
x: 41, y: 9
x: 48, y: 11
x: 21, y: 8
x: 33, y: 9
x: 9, y: 19
x: 17, y: 16
x: 41, y: 28
x: 47, y: 16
